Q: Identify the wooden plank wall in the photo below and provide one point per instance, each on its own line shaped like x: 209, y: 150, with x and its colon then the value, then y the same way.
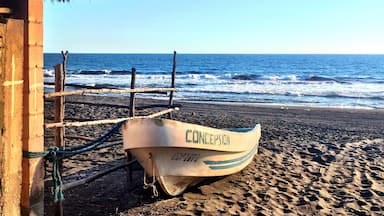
x: 2, y: 69
x: 12, y: 85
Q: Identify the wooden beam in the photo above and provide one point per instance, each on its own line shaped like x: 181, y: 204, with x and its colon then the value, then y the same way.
x: 59, y: 117
x: 32, y: 195
x: 5, y: 10
x: 107, y: 121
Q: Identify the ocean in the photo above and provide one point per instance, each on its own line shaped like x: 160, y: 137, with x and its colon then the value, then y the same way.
x: 337, y: 81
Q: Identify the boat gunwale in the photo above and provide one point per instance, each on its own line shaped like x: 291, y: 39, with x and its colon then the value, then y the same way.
x: 169, y: 125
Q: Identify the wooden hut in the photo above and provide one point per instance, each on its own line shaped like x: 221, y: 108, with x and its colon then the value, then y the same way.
x: 21, y: 107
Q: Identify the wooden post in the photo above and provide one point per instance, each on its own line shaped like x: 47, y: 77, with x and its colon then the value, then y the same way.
x: 173, y: 83
x: 65, y: 57
x: 132, y: 97
x: 2, y: 125
x: 63, y: 76
x: 22, y: 108
x: 131, y: 114
x: 32, y: 195
x: 59, y: 117
x: 59, y: 106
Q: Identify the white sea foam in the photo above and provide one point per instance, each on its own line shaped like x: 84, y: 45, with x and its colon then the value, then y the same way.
x: 48, y: 73
x: 309, y: 80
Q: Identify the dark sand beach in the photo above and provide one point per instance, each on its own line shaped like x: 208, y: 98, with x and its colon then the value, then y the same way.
x: 311, y: 161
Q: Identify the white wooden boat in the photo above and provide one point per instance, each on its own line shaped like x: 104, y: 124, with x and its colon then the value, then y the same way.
x: 179, y: 154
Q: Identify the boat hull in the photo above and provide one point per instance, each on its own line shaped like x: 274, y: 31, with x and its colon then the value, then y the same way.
x: 179, y: 157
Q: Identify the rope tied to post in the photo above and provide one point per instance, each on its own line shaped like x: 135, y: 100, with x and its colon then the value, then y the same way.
x: 56, y: 154
x: 52, y: 156
x: 56, y: 176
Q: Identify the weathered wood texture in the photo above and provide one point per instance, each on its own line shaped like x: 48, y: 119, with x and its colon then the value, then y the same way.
x: 2, y: 69
x: 107, y: 121
x: 65, y: 58
x: 11, y: 116
x: 59, y: 106
x: 132, y: 108
x: 59, y: 117
x: 5, y: 10
x: 32, y: 196
x: 132, y: 96
x: 173, y: 82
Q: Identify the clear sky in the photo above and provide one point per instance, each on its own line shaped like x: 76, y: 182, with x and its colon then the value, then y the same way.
x: 214, y: 26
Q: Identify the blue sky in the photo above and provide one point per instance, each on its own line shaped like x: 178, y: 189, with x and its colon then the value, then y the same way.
x: 214, y: 26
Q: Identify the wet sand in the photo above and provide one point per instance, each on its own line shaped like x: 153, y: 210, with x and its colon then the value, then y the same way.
x: 311, y: 161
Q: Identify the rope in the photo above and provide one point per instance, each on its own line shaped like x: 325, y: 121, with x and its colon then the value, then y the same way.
x: 56, y: 177
x: 91, y: 145
x: 152, y: 184
x: 51, y: 155
x: 56, y: 154
x: 27, y: 154
x: 68, y: 152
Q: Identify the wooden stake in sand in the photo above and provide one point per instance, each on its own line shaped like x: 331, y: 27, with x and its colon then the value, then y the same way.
x: 59, y: 117
x: 65, y: 57
x: 131, y: 114
x: 59, y: 106
x: 173, y: 83
x: 132, y: 97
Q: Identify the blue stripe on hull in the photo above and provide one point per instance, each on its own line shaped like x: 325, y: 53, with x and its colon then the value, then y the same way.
x: 227, y: 164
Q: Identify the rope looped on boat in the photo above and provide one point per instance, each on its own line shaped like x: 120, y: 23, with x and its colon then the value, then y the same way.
x: 151, y: 184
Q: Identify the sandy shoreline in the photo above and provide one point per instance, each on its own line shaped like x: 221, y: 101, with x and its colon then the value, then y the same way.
x: 311, y: 161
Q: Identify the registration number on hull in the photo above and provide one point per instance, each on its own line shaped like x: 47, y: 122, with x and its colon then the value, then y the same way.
x: 186, y: 157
